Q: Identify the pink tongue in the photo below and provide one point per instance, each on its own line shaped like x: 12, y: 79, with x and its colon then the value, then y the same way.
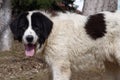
x: 29, y: 50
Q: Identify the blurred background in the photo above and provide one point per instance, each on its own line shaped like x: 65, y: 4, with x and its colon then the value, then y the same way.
x: 57, y: 5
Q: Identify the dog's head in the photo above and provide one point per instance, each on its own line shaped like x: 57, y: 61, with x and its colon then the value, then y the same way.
x: 31, y: 28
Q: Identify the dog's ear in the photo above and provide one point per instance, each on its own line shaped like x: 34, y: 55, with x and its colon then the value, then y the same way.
x: 18, y: 26
x: 42, y: 25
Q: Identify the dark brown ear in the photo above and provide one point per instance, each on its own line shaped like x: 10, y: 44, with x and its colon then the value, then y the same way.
x: 42, y: 26
x: 18, y: 26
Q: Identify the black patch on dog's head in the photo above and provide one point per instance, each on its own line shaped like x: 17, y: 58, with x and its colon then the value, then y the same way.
x: 41, y: 25
x: 19, y: 25
x: 95, y: 26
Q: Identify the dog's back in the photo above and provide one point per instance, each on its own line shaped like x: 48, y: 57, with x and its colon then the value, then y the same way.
x: 82, y: 41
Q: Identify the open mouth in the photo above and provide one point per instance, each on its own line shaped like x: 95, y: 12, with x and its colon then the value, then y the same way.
x: 29, y: 50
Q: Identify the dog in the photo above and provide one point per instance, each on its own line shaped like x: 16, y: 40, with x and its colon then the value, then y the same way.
x: 5, y: 32
x: 67, y: 38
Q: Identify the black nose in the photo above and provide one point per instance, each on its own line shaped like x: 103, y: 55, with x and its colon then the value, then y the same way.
x: 29, y: 38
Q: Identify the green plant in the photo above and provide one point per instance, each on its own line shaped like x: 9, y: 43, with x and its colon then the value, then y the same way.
x: 19, y: 6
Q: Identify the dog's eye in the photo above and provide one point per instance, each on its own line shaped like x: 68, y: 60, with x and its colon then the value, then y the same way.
x: 36, y: 28
x: 24, y: 28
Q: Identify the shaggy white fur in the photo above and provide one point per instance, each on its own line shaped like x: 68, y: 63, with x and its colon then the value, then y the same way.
x: 68, y: 46
x: 75, y: 44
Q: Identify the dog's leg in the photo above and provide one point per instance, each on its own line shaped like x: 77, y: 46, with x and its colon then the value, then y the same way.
x: 57, y: 57
x: 117, y: 50
x: 60, y: 65
x: 116, y: 67
x: 61, y: 70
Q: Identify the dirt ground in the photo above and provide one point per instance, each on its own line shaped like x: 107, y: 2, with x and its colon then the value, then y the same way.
x: 15, y: 66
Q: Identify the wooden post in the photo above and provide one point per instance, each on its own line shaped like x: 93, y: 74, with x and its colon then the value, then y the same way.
x: 5, y: 33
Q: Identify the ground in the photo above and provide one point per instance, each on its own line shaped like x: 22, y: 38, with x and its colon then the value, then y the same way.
x: 15, y: 66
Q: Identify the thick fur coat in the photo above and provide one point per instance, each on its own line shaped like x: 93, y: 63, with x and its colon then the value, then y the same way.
x: 71, y: 42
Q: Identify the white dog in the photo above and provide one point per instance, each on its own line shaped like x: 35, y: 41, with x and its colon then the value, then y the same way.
x: 67, y: 38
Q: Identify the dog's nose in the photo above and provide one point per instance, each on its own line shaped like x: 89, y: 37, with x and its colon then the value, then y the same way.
x: 29, y: 38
